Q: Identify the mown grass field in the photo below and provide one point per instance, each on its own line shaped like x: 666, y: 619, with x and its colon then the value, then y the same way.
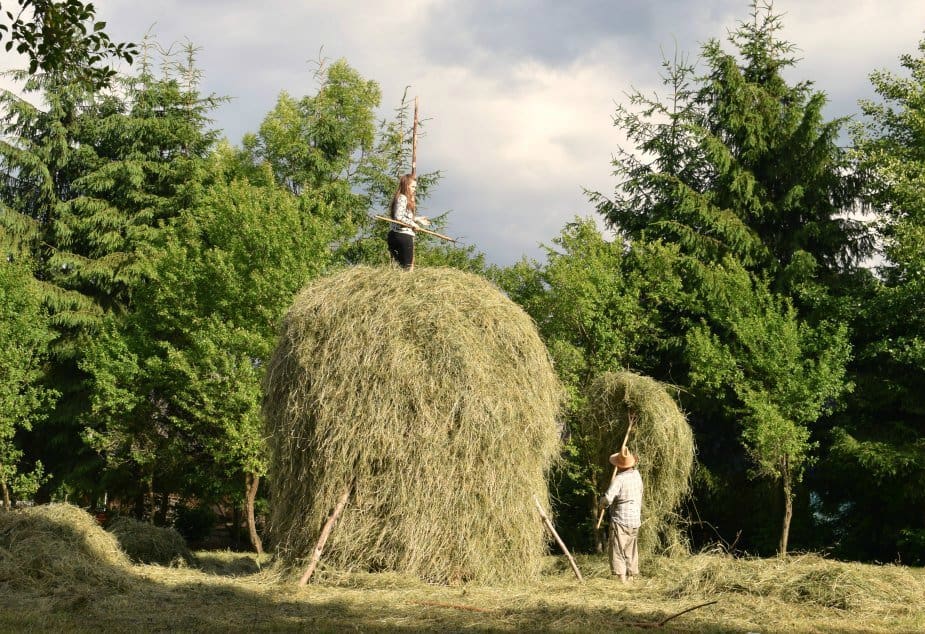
x: 229, y: 592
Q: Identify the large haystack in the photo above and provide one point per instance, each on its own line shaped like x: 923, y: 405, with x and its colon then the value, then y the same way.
x: 432, y: 393
x: 661, y: 439
x: 58, y: 546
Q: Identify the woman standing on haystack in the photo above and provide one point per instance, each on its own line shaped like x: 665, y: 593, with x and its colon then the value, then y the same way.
x: 401, y: 236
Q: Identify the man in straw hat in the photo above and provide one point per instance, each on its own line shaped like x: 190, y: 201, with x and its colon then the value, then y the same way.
x: 624, y: 497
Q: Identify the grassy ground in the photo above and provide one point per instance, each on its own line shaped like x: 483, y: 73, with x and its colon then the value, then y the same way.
x: 228, y: 592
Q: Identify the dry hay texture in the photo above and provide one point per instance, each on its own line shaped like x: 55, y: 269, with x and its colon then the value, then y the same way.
x: 58, y: 546
x: 662, y: 441
x: 808, y: 579
x: 145, y: 543
x: 433, y: 394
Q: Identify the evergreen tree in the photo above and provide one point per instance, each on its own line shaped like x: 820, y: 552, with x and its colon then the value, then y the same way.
x: 89, y: 183
x: 738, y: 173
x: 738, y: 162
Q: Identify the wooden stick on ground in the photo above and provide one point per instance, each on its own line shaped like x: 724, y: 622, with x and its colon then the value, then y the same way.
x: 455, y: 606
x: 673, y: 616
x: 632, y: 421
x: 559, y: 541
x: 325, y: 533
x: 422, y: 230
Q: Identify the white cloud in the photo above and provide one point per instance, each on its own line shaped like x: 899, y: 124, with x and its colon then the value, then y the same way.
x: 519, y: 121
x: 841, y: 42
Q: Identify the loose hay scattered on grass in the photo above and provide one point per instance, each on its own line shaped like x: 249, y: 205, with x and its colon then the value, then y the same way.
x: 146, y: 543
x: 188, y: 599
x: 661, y: 439
x: 433, y: 394
x: 57, y: 546
x: 802, y: 579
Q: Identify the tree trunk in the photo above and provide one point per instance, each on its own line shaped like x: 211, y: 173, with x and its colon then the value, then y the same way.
x: 788, y: 510
x: 7, y: 504
x: 252, y: 481
x: 164, y: 507
x: 235, y: 525
x: 139, y: 510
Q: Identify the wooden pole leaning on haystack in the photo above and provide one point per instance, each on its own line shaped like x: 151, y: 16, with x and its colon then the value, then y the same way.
x: 632, y: 421
x: 549, y: 526
x: 325, y: 533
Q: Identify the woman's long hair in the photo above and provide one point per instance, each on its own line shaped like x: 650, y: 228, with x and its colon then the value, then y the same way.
x: 404, y: 187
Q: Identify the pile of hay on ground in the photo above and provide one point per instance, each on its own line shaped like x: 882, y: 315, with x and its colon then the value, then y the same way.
x: 809, y: 579
x: 58, y: 546
x: 433, y: 395
x: 661, y: 439
x: 146, y: 543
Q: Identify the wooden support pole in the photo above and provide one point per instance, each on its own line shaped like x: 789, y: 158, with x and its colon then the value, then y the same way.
x: 325, y: 533
x: 632, y: 421
x: 414, y: 141
x: 559, y: 541
x: 401, y: 134
x: 421, y: 229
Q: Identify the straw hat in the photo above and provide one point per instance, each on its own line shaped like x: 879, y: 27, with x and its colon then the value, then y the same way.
x: 623, y: 460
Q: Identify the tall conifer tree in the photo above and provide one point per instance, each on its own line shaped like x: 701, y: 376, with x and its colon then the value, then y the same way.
x: 738, y: 171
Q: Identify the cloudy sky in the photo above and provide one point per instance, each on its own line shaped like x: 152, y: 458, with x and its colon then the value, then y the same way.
x: 519, y: 94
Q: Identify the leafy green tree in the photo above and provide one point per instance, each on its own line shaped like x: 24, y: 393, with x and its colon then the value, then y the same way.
x: 179, y: 377
x: 596, y: 303
x: 90, y: 180
x: 329, y: 146
x: 883, y: 438
x: 24, y: 337
x: 62, y: 35
x: 319, y: 143
x: 772, y: 371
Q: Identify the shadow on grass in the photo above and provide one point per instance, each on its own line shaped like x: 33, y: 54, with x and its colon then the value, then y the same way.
x: 220, y: 605
x: 57, y: 582
x: 228, y: 564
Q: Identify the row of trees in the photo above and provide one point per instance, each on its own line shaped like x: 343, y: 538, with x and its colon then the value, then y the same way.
x: 148, y: 265
x: 742, y: 273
